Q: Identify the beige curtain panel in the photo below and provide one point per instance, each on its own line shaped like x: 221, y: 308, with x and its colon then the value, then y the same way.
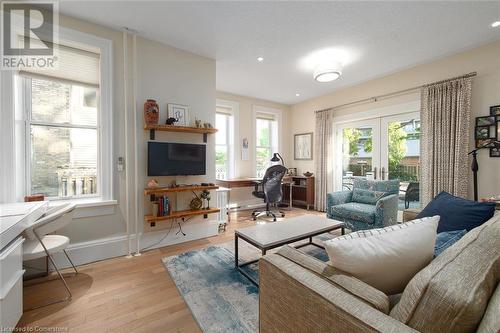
x: 323, y: 144
x: 445, y: 114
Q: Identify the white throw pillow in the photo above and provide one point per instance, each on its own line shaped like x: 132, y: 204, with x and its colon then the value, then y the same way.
x: 386, y: 258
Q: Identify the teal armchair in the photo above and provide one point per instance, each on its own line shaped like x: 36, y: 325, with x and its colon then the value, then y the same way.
x: 371, y: 204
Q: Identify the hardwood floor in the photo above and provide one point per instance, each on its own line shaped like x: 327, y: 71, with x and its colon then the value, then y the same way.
x: 124, y: 295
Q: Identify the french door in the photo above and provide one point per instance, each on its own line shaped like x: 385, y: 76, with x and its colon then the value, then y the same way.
x: 380, y: 148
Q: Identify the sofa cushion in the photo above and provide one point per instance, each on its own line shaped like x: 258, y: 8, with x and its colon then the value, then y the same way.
x: 354, y: 211
x: 451, y: 294
x: 446, y: 239
x: 385, y: 258
x: 367, y: 196
x: 345, y: 281
x: 387, y: 186
x: 491, y: 320
x: 458, y: 213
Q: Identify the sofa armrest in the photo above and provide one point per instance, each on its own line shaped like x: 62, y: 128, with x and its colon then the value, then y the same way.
x: 294, y: 299
x: 343, y: 280
x: 386, y: 211
x: 338, y: 198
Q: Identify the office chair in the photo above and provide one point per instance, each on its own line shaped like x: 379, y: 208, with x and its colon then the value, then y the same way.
x: 40, y: 244
x: 270, y: 190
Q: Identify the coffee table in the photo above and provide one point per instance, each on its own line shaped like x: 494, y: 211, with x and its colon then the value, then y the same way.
x: 275, y: 234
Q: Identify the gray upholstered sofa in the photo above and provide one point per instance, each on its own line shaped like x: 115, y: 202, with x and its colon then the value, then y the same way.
x: 457, y: 292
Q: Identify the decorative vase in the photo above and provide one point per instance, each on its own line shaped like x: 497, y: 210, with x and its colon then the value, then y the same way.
x: 151, y: 112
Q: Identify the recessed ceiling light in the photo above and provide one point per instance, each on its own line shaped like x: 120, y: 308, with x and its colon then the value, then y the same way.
x: 328, y: 73
x: 297, y: 94
x: 260, y: 59
x: 495, y: 24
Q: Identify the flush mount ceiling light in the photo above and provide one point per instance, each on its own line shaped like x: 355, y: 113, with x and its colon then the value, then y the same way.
x: 495, y: 24
x: 328, y: 73
x: 260, y: 59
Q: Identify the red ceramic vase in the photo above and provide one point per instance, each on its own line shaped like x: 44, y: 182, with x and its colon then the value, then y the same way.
x: 151, y: 112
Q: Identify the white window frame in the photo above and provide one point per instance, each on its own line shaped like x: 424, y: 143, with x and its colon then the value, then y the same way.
x: 278, y: 116
x: 232, y: 135
x: 16, y: 187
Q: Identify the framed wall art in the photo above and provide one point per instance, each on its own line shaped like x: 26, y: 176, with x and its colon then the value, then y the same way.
x: 303, y: 146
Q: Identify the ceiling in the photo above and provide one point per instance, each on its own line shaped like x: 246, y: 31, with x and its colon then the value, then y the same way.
x: 377, y: 38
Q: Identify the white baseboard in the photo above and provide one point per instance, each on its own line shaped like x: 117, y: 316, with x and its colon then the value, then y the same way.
x: 116, y: 246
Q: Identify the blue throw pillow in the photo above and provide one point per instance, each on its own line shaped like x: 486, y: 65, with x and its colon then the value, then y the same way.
x: 366, y: 196
x: 457, y: 213
x: 446, y: 239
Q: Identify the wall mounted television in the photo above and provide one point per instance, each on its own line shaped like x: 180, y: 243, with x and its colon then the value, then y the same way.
x: 176, y: 159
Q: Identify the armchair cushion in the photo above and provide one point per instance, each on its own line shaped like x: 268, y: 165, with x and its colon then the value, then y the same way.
x: 387, y: 186
x: 354, y: 211
x: 366, y: 196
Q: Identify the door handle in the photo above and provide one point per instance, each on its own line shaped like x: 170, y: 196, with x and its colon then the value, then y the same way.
x: 382, y: 173
x: 375, y: 173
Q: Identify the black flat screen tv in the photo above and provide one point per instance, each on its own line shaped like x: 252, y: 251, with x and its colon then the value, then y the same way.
x: 176, y: 159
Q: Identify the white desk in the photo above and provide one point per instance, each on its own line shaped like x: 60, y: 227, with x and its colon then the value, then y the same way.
x: 14, y: 219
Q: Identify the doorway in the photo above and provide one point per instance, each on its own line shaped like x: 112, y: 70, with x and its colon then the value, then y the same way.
x: 381, y: 148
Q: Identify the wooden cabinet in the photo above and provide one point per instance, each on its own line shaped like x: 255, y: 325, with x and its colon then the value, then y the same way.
x: 302, y: 191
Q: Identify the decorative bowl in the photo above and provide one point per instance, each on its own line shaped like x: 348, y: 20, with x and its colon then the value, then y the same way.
x: 308, y: 174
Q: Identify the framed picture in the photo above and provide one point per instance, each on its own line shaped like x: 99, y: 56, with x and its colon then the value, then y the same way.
x: 179, y: 112
x: 482, y: 132
x: 485, y: 121
x: 494, y: 152
x: 495, y: 110
x: 303, y: 146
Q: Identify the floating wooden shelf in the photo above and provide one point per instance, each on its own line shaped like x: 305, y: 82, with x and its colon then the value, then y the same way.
x: 160, y: 190
x: 183, y: 129
x: 180, y: 214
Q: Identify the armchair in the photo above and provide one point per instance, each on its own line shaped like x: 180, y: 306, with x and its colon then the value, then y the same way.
x: 371, y: 204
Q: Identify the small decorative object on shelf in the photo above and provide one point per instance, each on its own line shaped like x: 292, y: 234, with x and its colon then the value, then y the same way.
x: 307, y: 174
x: 198, y: 123
x: 205, y: 195
x: 207, y: 125
x: 151, y: 112
x: 171, y: 121
x: 195, y: 203
x: 180, y: 113
x: 153, y: 183
x: 155, y: 209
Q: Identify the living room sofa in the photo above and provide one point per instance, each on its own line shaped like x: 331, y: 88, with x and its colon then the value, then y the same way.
x: 456, y: 292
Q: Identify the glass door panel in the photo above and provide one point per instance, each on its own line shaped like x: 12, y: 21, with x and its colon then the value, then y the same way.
x: 400, y: 156
x: 357, y: 152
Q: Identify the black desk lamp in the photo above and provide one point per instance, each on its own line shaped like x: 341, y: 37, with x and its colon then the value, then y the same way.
x: 475, y: 166
x: 277, y: 157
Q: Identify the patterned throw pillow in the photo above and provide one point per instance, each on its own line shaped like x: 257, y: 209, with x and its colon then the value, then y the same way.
x: 367, y: 196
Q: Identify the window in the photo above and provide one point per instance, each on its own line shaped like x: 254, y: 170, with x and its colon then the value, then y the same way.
x: 224, y: 156
x: 63, y: 138
x: 266, y: 142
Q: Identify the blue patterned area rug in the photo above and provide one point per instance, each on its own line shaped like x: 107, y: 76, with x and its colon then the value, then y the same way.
x: 219, y: 297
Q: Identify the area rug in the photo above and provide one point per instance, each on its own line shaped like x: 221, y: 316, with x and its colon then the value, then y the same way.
x: 219, y: 297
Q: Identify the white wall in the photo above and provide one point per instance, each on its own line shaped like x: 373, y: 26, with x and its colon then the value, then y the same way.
x: 485, y: 93
x: 167, y: 75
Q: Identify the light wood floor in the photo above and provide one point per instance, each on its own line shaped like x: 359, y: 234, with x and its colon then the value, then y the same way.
x: 124, y: 295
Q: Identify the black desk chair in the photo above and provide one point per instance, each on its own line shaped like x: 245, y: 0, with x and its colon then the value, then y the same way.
x: 270, y: 190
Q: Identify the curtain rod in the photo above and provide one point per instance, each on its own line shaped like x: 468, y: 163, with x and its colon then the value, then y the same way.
x: 399, y: 92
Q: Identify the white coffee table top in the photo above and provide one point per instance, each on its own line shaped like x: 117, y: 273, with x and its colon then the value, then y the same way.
x: 300, y: 227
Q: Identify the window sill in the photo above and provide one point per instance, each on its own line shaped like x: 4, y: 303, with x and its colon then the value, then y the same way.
x: 89, y: 207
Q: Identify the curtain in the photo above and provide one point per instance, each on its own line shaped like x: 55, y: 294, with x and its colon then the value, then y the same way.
x: 445, y: 115
x: 323, y: 152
